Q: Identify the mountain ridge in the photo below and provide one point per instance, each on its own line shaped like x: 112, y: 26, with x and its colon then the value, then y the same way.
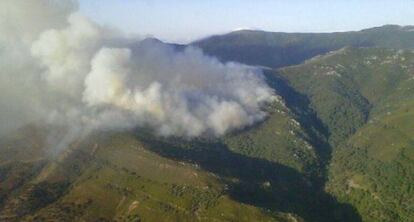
x: 279, y: 49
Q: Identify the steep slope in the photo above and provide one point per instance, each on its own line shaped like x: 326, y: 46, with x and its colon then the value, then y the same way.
x: 277, y: 49
x: 365, y: 98
x: 374, y: 170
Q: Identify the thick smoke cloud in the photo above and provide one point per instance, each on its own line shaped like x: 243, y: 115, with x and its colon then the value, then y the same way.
x: 60, y: 68
x: 21, y: 22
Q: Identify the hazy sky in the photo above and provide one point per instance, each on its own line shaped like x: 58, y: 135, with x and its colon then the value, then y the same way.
x: 186, y: 20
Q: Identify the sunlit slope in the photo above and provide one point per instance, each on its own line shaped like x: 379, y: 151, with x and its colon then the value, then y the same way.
x: 114, y: 177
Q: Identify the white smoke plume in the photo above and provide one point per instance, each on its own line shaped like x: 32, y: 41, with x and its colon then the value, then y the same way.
x: 61, y: 68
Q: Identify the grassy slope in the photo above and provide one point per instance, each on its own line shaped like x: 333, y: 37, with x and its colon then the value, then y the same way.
x: 365, y: 98
x: 117, y: 178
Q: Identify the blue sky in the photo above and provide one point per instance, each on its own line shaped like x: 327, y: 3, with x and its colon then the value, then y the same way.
x: 186, y: 20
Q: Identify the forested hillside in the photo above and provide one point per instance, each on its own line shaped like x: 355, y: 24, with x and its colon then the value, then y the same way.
x: 365, y: 97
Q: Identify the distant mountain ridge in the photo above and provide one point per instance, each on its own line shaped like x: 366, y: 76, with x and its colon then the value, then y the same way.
x: 279, y: 49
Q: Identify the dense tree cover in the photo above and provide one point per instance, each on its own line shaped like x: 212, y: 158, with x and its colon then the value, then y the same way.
x: 365, y: 98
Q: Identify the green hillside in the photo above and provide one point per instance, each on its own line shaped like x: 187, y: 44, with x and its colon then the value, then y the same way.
x: 365, y: 98
x: 112, y: 177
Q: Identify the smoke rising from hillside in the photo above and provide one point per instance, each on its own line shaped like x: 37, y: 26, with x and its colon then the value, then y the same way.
x: 60, y: 68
